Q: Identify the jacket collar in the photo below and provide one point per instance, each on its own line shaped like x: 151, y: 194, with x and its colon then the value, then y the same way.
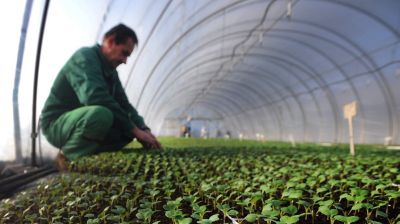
x: 109, y: 71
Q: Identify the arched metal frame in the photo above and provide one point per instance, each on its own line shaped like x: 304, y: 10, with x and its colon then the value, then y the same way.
x: 265, y: 89
x: 348, y: 79
x: 316, y: 75
x: 248, y: 88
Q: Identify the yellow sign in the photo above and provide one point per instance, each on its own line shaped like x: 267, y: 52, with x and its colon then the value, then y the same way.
x: 350, y: 110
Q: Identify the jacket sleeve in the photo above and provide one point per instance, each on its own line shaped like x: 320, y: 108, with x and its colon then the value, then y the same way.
x: 122, y: 99
x: 84, y: 73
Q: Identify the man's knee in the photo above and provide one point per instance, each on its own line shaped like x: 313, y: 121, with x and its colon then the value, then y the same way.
x: 101, y: 114
x: 98, y: 121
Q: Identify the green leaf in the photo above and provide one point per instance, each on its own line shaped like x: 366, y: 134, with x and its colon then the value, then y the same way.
x: 345, y: 195
x: 267, y: 207
x: 32, y: 217
x: 293, y: 194
x: 256, y: 197
x: 275, y: 203
x: 359, y: 198
x: 340, y: 218
x: 289, y: 219
x: 324, y: 210
x: 118, y: 210
x: 352, y: 219
x: 90, y: 215
x: 296, y: 194
x: 204, y: 221
x: 327, y: 211
x: 114, y: 218
x: 393, y: 194
x: 367, y: 205
x: 185, y: 221
x: 196, y: 216
x: 380, y: 187
x: 200, y: 209
x: 326, y: 203
x: 114, y: 197
x: 304, y: 203
x: 205, y: 187
x: 214, y: 218
x: 70, y: 203
x: 270, y: 213
x: 223, y: 207
x: 173, y: 214
x: 357, y: 206
x: 233, y: 212
x: 359, y: 192
x: 322, y: 189
x: 264, y: 188
x: 251, y: 218
x: 93, y: 221
x: 83, y: 205
x: 374, y: 192
x: 382, y: 214
x: 290, y: 210
x: 347, y: 219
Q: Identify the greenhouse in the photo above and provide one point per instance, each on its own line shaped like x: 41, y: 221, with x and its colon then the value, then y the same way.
x: 200, y: 111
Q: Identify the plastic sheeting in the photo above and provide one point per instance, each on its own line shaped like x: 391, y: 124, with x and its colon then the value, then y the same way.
x: 282, y: 70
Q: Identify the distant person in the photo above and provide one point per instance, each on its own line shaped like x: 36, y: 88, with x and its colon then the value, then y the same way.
x: 87, y: 111
x: 219, y: 134
x: 188, y: 132
x: 188, y: 129
x: 228, y: 135
x: 183, y: 131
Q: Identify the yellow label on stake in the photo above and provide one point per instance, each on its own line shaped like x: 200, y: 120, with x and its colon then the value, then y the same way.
x: 350, y: 110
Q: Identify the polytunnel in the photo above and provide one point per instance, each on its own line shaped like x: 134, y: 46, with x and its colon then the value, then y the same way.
x: 264, y: 70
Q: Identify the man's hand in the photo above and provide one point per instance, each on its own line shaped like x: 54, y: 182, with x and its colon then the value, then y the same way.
x: 146, y: 138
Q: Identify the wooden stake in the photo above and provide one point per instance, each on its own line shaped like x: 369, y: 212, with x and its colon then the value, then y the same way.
x: 352, y: 152
x: 350, y: 110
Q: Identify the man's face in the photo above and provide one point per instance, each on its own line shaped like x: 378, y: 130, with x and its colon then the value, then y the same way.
x: 119, y: 53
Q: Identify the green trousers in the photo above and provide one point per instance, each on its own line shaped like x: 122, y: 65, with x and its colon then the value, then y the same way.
x: 86, y: 131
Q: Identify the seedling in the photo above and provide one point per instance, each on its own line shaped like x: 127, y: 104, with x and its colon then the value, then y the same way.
x: 272, y: 184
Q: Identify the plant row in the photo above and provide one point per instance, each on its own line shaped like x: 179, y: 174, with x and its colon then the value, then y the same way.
x: 216, y: 185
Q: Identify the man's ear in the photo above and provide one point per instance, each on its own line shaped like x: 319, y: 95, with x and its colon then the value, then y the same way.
x: 110, y: 40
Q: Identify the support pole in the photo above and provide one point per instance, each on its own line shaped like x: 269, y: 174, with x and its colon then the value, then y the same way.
x: 35, y: 82
x: 20, y: 58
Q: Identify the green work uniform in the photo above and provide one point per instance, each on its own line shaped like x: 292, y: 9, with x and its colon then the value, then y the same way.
x: 87, y: 110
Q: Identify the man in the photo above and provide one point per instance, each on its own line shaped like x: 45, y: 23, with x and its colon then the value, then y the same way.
x: 87, y: 111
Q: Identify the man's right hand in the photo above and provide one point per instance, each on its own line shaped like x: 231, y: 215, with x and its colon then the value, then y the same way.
x: 146, y: 138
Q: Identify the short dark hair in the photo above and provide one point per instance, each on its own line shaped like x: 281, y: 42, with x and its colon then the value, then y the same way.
x: 122, y: 33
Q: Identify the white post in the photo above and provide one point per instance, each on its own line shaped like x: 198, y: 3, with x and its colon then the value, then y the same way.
x: 352, y: 152
x: 350, y: 110
x: 292, y: 141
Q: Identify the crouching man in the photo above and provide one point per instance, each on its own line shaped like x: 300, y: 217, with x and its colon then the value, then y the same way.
x: 87, y: 111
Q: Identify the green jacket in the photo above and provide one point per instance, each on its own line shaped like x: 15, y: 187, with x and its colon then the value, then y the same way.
x: 87, y: 79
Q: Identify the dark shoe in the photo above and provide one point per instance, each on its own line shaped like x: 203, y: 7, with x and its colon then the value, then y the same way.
x: 61, y: 162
